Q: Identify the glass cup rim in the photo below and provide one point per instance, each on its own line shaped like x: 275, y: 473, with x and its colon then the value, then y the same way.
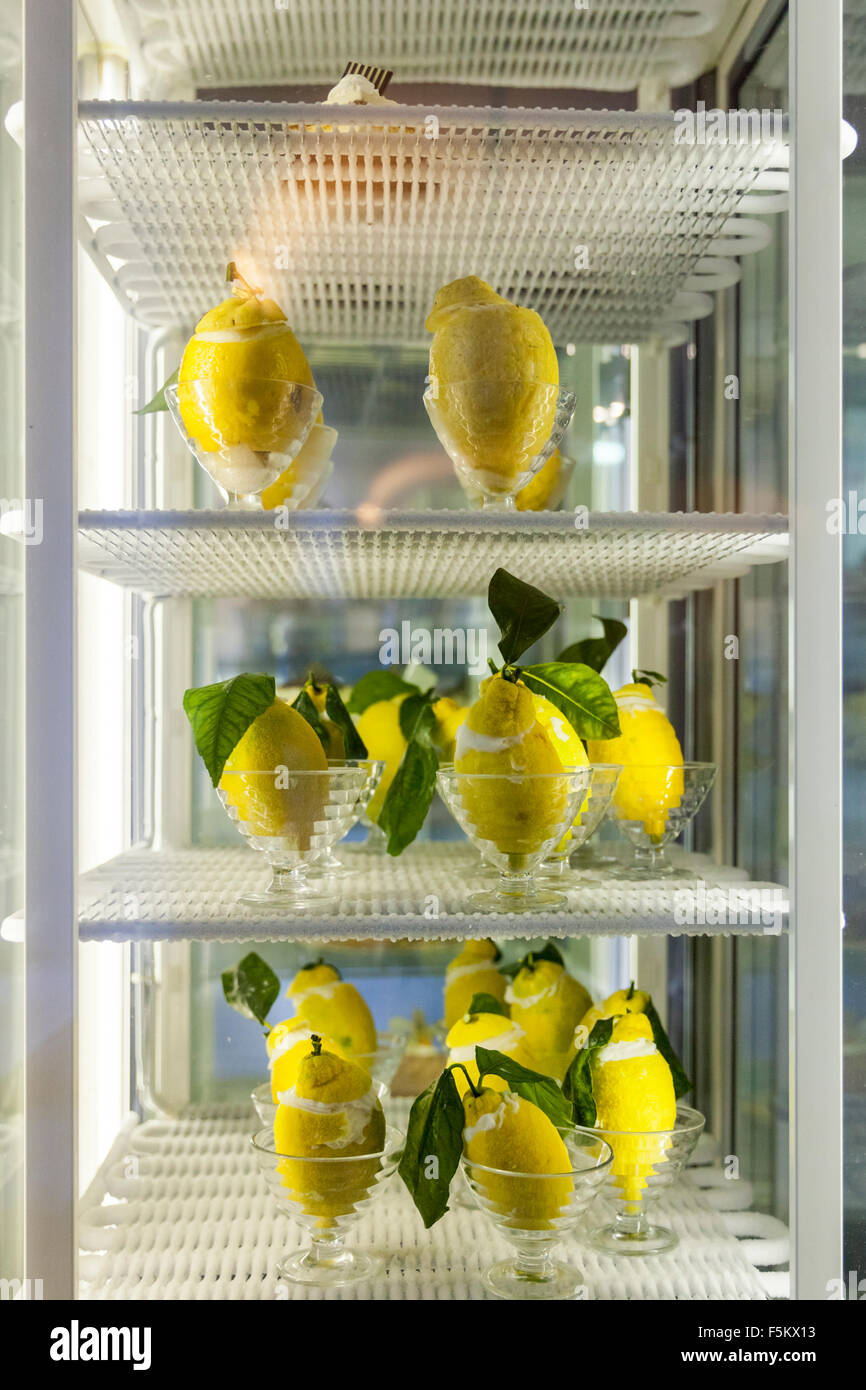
x: 566, y: 1131
x: 334, y: 765
x: 497, y: 381
x: 606, y: 767
x: 449, y: 770
x: 175, y: 386
x: 394, y: 1141
x: 672, y: 767
x: 693, y: 1120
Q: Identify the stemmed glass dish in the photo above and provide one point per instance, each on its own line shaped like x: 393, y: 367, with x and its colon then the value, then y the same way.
x: 328, y: 863
x: 603, y: 778
x: 292, y: 818
x: 245, y: 432
x: 652, y: 805
x: 326, y: 1196
x: 515, y: 820
x: 644, y: 1164
x: 534, y: 1211
x: 498, y: 434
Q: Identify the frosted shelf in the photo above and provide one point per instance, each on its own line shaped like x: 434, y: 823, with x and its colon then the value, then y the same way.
x: 609, y: 223
x: 437, y: 554
x: 179, y: 1210
x: 611, y: 45
x: 191, y: 895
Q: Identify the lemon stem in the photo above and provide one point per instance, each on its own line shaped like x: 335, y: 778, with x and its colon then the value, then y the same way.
x: 317, y: 1045
x: 630, y: 994
x: 458, y: 1066
x: 511, y: 673
x: 240, y: 287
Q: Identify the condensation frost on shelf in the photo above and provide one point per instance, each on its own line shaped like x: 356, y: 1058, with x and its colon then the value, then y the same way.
x: 192, y: 894
x: 611, y: 224
x: 380, y: 554
x: 606, y: 45
x: 180, y: 1210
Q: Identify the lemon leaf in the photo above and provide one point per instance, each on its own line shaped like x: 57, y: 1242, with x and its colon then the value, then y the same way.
x: 596, y: 651
x: 649, y: 678
x: 548, y: 952
x: 486, y: 1004
x: 682, y: 1084
x: 522, y: 613
x: 578, y: 692
x: 577, y: 1085
x: 158, y: 402
x: 305, y: 707
x: 220, y: 715
x: 434, y: 1143
x: 541, y: 1090
x: 378, y: 685
x: 408, y: 798
x: 415, y: 713
x: 251, y: 987
x: 336, y: 711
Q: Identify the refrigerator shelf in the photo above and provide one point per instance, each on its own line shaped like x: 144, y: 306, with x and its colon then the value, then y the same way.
x: 371, y: 553
x: 180, y: 1210
x: 191, y: 895
x: 615, y: 226
x: 611, y: 45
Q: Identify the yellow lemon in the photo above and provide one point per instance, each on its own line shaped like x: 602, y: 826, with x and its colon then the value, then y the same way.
x: 379, y: 727
x: 634, y: 1095
x: 622, y: 1001
x: 288, y: 1043
x: 548, y: 1003
x: 536, y: 495
x: 334, y: 1008
x: 309, y: 469
x: 505, y: 1132
x: 280, y: 742
x: 647, y: 747
x: 497, y: 1034
x: 473, y: 971
x: 449, y: 716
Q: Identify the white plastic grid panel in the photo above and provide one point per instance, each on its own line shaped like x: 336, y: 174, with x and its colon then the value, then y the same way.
x: 610, y: 224
x: 376, y: 554
x: 607, y: 45
x: 180, y: 1211
x: 192, y: 894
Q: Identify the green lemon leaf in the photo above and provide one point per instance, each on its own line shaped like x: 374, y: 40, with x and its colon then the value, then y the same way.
x: 541, y: 1090
x: 251, y: 987
x: 522, y: 613
x: 577, y: 1086
x: 682, y: 1084
x: 304, y: 705
x: 375, y: 686
x: 649, y: 678
x: 548, y: 952
x: 434, y: 1144
x: 416, y: 714
x: 487, y: 1004
x: 159, y: 402
x: 408, y: 798
x: 596, y: 651
x: 220, y: 715
x: 338, y: 714
x: 578, y: 692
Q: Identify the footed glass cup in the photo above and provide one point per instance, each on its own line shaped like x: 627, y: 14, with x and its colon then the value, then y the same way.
x: 652, y: 805
x: 603, y: 778
x: 644, y: 1165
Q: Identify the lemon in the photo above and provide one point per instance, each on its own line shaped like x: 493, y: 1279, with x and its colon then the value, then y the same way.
x: 505, y: 1132
x: 647, y: 741
x: 379, y: 727
x: 310, y: 467
x: 449, y: 716
x: 473, y: 971
x: 288, y: 1043
x: 485, y: 356
x: 279, y: 739
x: 536, y: 495
x: 332, y: 1111
x: 333, y: 1007
x: 502, y: 736
x: 548, y: 1003
x: 568, y: 745
x: 634, y: 1092
x: 231, y: 385
x: 318, y: 694
x: 622, y: 1001
x: 494, y: 1032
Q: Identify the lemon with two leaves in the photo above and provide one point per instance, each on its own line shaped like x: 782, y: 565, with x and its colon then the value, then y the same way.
x: 634, y: 1096
x: 622, y: 1001
x: 318, y: 695
x: 257, y: 782
x: 495, y: 1032
x: 649, y: 786
x: 333, y: 1007
x: 502, y: 1131
x: 473, y: 971
x: 332, y: 1111
x: 548, y: 1003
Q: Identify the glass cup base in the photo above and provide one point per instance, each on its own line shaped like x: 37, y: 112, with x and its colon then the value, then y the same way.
x: 345, y: 1267
x: 651, y: 1240
x: 542, y: 899
x: 286, y: 901
x: 558, y: 1281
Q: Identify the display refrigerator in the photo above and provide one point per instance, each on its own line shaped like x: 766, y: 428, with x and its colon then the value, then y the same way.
x: 532, y: 410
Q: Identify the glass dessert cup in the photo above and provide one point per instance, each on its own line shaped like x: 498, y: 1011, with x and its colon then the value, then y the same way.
x: 553, y: 501
x: 498, y: 434
x: 533, y: 1212
x: 603, y: 778
x: 644, y: 1165
x: 266, y: 1107
x: 653, y: 805
x: 325, y: 1196
x: 268, y: 425
x: 292, y: 818
x: 515, y: 820
x: 328, y: 862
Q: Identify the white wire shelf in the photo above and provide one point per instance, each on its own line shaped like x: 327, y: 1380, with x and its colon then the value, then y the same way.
x: 438, y: 554
x: 179, y: 1210
x: 611, y: 224
x: 192, y: 895
x: 611, y: 45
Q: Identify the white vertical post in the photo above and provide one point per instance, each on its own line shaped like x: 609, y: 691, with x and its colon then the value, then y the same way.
x: 50, y: 603
x: 816, y: 645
